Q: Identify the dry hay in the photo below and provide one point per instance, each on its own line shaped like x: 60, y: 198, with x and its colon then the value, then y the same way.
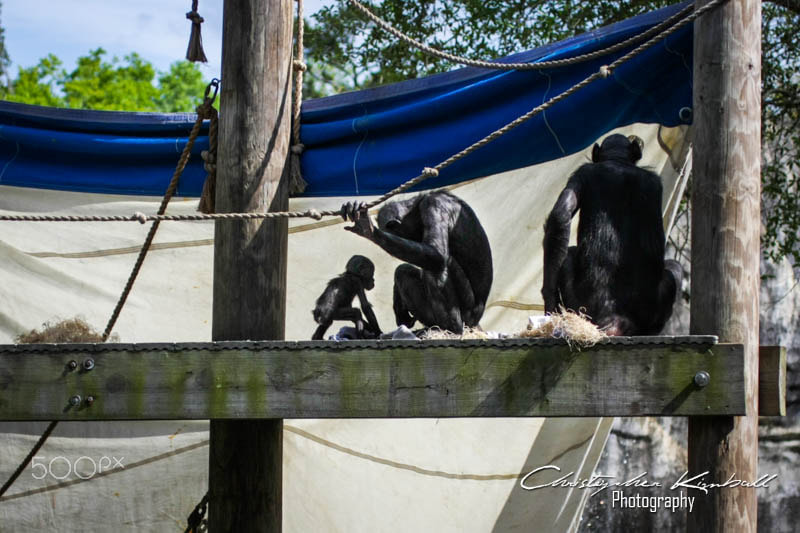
x: 573, y: 327
x: 436, y: 332
x: 71, y: 330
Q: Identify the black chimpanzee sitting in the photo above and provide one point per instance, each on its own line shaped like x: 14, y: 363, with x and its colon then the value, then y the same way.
x: 449, y: 276
x: 336, y: 301
x: 617, y: 272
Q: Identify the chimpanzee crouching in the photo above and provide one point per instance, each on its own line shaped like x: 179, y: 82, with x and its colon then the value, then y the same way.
x: 617, y: 272
x: 336, y: 301
x: 448, y: 271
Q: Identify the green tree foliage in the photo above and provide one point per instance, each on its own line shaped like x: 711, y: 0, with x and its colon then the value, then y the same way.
x: 345, y: 52
x: 38, y: 85
x: 780, y: 111
x: 180, y: 89
x: 116, y: 85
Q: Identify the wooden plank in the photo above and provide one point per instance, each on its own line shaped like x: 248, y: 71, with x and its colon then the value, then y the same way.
x: 726, y: 224
x: 245, y: 456
x: 371, y: 379
x: 772, y: 381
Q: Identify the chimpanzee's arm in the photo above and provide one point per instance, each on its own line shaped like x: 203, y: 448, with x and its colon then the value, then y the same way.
x: 366, y: 308
x: 430, y: 254
x: 556, y: 237
x: 422, y: 254
x: 437, y: 214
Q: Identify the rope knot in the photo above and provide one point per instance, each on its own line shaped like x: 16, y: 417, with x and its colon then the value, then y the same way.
x: 429, y: 172
x: 141, y: 217
x: 605, y: 71
x: 195, y: 17
x: 299, y: 65
x: 298, y: 149
x: 208, y: 157
x: 313, y: 213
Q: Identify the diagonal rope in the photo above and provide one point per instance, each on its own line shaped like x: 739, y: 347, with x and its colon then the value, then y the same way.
x: 24, y: 463
x: 202, y: 112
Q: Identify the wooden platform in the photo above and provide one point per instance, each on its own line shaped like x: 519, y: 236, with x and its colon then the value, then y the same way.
x: 624, y: 376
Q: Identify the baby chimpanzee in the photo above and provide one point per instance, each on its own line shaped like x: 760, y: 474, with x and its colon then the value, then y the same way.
x: 336, y: 301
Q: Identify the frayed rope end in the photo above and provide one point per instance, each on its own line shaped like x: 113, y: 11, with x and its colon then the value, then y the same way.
x: 195, y: 50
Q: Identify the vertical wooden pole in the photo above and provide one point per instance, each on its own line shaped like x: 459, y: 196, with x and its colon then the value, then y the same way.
x: 250, y: 256
x: 726, y: 223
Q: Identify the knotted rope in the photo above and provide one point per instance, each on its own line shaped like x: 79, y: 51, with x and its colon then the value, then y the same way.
x: 296, y: 183
x: 195, y: 52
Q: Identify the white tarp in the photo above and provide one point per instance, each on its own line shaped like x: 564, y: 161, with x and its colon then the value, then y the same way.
x: 339, y: 475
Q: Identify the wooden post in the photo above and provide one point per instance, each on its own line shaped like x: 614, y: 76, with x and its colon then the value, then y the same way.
x: 725, y: 247
x: 250, y: 256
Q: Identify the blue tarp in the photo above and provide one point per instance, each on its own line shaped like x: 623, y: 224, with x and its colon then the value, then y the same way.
x: 367, y: 142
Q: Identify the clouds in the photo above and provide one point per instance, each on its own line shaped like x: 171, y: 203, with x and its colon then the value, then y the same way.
x: 156, y: 29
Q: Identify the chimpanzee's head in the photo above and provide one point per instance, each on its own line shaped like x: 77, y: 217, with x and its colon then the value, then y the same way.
x: 363, y: 268
x: 618, y: 147
x: 397, y: 217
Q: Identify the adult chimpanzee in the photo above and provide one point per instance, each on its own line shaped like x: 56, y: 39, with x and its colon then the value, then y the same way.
x: 450, y: 272
x: 617, y: 272
x: 336, y: 301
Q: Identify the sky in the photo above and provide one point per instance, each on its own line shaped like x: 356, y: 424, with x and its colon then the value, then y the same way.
x: 156, y: 29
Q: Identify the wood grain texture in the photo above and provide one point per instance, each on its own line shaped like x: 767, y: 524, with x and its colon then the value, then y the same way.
x: 772, y: 381
x: 249, y: 294
x: 400, y: 380
x: 725, y: 246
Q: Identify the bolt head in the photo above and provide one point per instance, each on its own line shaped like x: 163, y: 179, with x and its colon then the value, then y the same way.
x: 701, y: 379
x: 72, y: 365
x: 88, y: 364
x: 75, y: 401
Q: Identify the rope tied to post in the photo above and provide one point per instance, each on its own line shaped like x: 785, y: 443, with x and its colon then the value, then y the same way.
x: 195, y: 52
x: 208, y: 196
x: 296, y: 182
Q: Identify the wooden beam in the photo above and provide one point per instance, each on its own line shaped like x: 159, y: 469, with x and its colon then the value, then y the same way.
x: 386, y: 379
x: 772, y: 381
x: 249, y: 300
x: 726, y: 224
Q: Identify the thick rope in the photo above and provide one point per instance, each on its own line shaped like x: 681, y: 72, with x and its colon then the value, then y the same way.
x: 207, y: 202
x: 296, y: 183
x: 195, y: 522
x: 603, y: 72
x: 517, y: 66
x: 195, y: 52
